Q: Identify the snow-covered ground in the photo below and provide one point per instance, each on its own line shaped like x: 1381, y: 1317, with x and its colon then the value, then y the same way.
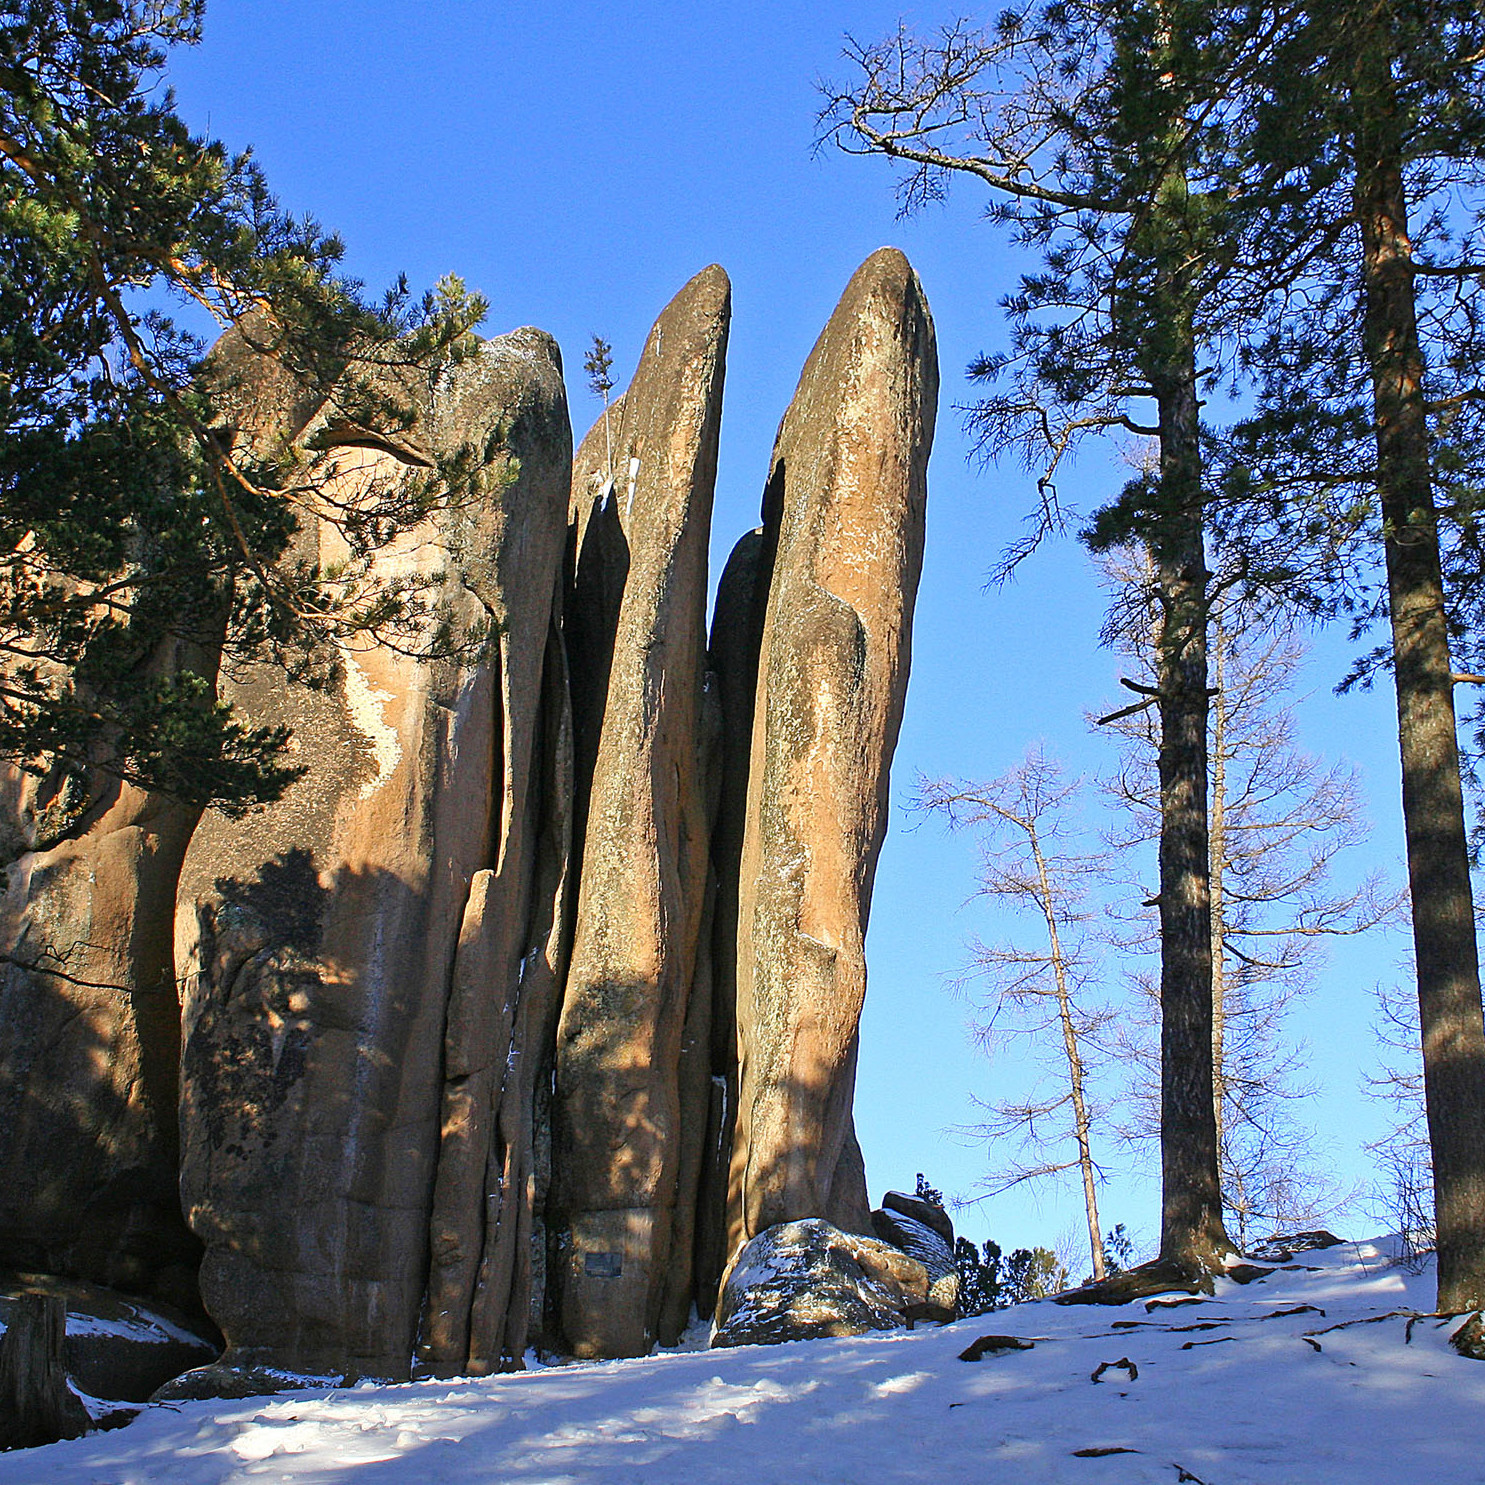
x: 1229, y: 1392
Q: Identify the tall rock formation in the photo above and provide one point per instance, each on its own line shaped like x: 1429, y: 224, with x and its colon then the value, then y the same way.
x: 341, y: 1058
x: 505, y: 989
x: 643, y: 484
x: 89, y: 1014
x: 849, y: 479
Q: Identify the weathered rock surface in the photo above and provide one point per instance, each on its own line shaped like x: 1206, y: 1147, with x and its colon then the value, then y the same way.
x: 89, y: 1013
x: 849, y: 480
x: 927, y: 1212
x: 806, y: 1280
x: 511, y: 955
x: 335, y: 1064
x: 617, y: 1113
x: 90, y: 1039
x: 929, y: 1246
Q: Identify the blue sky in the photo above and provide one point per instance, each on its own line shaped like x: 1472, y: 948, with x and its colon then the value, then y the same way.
x: 577, y: 164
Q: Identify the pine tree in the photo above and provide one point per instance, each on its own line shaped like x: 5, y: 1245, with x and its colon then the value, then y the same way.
x: 1279, y: 819
x: 1094, y: 125
x: 1374, y: 115
x: 136, y: 520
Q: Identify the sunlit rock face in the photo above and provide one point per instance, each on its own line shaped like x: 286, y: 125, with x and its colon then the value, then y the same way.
x: 642, y: 489
x: 847, y: 490
x: 362, y: 957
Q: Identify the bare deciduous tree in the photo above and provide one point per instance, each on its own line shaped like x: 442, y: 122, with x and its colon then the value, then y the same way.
x: 1034, y: 856
x: 1404, y: 1196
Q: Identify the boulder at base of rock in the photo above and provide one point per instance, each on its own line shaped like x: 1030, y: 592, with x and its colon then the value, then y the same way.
x: 929, y: 1246
x: 223, y: 1379
x: 930, y: 1214
x: 805, y: 1280
x: 117, y: 1347
x: 1281, y: 1247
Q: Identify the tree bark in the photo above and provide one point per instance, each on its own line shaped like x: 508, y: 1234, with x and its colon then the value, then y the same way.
x: 1453, y: 1032
x: 1192, y: 1236
x: 36, y: 1404
x: 1217, y: 887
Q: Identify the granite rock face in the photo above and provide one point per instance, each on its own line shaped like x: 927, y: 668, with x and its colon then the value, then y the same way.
x: 339, y: 1065
x: 848, y: 481
x: 90, y: 1039
x: 806, y: 1280
x: 617, y: 1116
x: 89, y: 1012
x: 511, y: 955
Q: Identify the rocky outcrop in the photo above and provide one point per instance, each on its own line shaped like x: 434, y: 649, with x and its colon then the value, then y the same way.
x: 537, y: 995
x: 89, y: 1013
x: 805, y: 1280
x: 849, y: 481
x: 924, y: 1232
x: 338, y: 1063
x: 618, y: 1117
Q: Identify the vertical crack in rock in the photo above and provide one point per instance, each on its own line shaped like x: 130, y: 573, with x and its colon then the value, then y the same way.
x: 737, y: 633
x: 500, y: 1304
x: 696, y: 1059
x: 618, y: 1116
x: 340, y: 1076
x: 849, y: 476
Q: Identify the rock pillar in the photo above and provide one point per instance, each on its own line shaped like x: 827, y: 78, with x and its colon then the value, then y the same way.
x: 89, y: 1013
x: 337, y: 1065
x: 618, y: 1119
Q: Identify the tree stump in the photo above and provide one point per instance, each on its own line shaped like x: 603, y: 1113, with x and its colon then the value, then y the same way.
x: 36, y: 1404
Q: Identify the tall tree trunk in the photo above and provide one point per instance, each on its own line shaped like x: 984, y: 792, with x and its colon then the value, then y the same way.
x: 1433, y: 804
x: 1218, y: 854
x: 1192, y: 1236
